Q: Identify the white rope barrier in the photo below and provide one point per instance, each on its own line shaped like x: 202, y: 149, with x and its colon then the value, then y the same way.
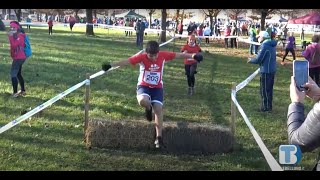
x: 222, y: 37
x: 268, y: 156
x: 273, y: 164
x: 105, y: 26
x: 245, y: 82
x: 125, y: 28
x: 59, y: 96
x: 102, y: 72
x: 40, y: 107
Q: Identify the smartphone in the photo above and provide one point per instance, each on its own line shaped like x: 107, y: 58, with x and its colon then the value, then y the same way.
x: 300, y: 73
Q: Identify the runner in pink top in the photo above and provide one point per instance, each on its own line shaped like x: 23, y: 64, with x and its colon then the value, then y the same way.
x: 150, y: 83
x: 190, y: 65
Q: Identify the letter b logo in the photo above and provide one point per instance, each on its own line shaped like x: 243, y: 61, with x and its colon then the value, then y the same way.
x: 289, y: 154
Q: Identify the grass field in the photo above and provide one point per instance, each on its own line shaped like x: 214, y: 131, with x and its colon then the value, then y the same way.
x: 53, y: 140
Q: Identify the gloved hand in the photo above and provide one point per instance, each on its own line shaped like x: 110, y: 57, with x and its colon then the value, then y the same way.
x: 106, y: 66
x: 198, y: 57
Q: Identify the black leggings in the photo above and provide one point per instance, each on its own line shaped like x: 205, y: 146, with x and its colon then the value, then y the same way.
x: 16, y: 75
x: 314, y: 74
x: 50, y: 30
x: 207, y: 39
x: 226, y: 42
x: 292, y: 52
x: 190, y: 72
x: 71, y: 26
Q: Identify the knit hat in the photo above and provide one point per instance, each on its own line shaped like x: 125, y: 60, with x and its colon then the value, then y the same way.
x: 14, y: 24
x: 264, y: 34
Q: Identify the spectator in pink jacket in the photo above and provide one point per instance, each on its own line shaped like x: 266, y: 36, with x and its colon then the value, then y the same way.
x: 227, y: 33
x: 313, y: 58
x: 200, y: 33
x: 72, y: 21
x: 50, y: 24
x: 16, y: 38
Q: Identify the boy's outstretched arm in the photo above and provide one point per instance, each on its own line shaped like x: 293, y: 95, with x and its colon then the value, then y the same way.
x: 106, y: 66
x: 197, y: 56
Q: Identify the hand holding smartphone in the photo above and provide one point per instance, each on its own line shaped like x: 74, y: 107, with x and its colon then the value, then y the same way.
x: 301, y: 73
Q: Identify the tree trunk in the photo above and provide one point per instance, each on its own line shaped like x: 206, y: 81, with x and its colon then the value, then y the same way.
x: 150, y: 21
x: 263, y: 20
x: 46, y: 17
x: 59, y: 17
x: 163, y: 25
x: 77, y: 11
x: 89, y: 29
x: 211, y: 23
x: 95, y: 13
x: 18, y: 14
x: 237, y: 19
x: 177, y: 22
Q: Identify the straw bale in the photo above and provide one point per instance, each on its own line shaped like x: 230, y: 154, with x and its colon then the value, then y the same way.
x: 178, y: 137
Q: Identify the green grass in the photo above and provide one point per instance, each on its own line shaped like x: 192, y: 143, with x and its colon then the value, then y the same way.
x: 55, y: 139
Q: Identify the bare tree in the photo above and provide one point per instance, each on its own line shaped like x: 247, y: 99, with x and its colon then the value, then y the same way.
x: 294, y: 13
x: 182, y: 16
x: 18, y: 14
x: 163, y: 24
x: 9, y: 13
x: 76, y: 11
x: 44, y: 11
x: 102, y: 11
x: 212, y: 13
x: 95, y: 13
x: 234, y: 13
x: 264, y: 13
x: 177, y: 16
x: 89, y: 29
x: 189, y: 14
x: 150, y: 12
x: 60, y: 12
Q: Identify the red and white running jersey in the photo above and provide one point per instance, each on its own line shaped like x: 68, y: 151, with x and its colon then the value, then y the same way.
x: 151, y: 71
x: 190, y: 49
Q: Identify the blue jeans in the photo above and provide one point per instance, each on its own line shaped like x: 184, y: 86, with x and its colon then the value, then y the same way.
x: 266, y: 90
x: 253, y: 49
x: 139, y: 40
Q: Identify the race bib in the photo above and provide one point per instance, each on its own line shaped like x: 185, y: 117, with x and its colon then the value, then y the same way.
x: 151, y: 77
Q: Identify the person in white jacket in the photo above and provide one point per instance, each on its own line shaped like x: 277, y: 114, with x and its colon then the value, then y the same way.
x: 207, y: 32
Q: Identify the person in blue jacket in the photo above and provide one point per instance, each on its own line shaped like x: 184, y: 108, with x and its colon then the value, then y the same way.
x: 266, y: 58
